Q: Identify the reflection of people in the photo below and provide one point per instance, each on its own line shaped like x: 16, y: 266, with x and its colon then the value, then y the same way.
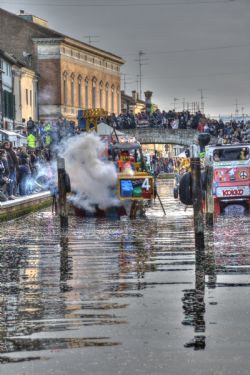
x: 216, y: 156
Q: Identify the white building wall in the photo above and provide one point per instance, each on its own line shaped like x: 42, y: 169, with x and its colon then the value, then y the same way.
x: 7, y: 85
x: 7, y: 76
x: 28, y: 94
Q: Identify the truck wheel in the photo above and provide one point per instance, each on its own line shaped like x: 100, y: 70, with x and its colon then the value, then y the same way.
x: 185, y: 189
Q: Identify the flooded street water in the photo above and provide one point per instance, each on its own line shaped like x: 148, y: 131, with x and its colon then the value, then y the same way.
x: 124, y: 297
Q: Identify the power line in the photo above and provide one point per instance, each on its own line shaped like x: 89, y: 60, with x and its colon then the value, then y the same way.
x: 202, y: 49
x: 200, y: 75
x: 158, y: 4
x: 125, y: 82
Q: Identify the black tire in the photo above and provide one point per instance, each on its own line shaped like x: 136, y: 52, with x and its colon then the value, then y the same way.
x: 185, y: 189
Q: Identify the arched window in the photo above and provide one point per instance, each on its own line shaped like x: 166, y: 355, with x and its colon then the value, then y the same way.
x: 65, y: 93
x: 72, y: 84
x: 112, y: 98
x: 86, y: 93
x: 107, y: 96
x: 101, y: 93
x: 79, y: 91
x: 94, y: 92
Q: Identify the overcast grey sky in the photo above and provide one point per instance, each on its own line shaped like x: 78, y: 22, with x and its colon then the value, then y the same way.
x: 188, y: 44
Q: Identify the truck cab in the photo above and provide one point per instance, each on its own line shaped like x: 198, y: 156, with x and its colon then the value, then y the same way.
x: 231, y: 177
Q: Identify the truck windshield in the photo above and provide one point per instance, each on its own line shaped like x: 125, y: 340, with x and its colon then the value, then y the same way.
x: 231, y: 154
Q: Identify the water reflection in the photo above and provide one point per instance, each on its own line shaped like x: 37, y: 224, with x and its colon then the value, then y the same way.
x: 227, y: 252
x: 194, y: 304
x: 75, y: 288
x: 65, y: 260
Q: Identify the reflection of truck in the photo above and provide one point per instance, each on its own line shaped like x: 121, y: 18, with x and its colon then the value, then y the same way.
x: 230, y: 177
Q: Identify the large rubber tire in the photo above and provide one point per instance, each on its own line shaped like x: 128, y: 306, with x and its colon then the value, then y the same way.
x: 185, y: 189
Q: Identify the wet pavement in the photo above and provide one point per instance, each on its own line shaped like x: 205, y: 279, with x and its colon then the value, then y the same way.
x: 124, y: 297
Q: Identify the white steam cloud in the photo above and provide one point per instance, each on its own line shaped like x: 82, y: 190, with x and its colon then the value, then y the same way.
x: 92, y: 180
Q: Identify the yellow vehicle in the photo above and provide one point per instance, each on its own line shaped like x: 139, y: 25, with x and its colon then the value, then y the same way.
x: 135, y: 185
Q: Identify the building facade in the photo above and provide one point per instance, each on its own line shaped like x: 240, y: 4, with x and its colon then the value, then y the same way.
x: 18, y: 92
x: 7, y: 96
x: 72, y: 75
x: 25, y: 83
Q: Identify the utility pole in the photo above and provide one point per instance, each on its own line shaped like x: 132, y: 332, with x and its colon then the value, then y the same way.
x: 124, y: 82
x: 183, y: 104
x: 141, y: 63
x: 137, y: 83
x: 236, y: 108
x: 175, y: 101
x: 202, y: 107
x: 242, y: 112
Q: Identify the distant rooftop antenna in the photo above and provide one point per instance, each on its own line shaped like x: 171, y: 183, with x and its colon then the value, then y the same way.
x: 236, y: 108
x: 92, y: 38
x: 141, y: 60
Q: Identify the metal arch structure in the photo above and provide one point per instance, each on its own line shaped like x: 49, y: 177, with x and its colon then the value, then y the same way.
x: 182, y: 137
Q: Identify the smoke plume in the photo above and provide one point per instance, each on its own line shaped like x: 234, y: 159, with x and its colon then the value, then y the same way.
x: 92, y: 180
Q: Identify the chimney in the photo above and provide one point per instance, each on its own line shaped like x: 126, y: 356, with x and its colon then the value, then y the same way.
x: 31, y: 18
x: 134, y: 95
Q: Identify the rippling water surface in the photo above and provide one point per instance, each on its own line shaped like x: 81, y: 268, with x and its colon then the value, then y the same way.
x: 124, y: 297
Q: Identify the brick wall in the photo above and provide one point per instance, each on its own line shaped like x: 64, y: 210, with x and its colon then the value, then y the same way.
x: 16, y: 35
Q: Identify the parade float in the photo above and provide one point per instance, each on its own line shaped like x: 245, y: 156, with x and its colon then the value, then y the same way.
x: 113, y: 178
x: 135, y: 185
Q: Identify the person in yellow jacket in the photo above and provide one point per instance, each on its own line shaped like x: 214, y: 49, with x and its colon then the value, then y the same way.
x: 31, y: 140
x: 47, y: 130
x: 184, y: 166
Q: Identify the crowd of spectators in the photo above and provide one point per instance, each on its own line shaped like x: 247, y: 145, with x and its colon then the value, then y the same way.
x: 227, y: 132
x: 23, y: 171
x: 28, y: 169
x: 20, y: 167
